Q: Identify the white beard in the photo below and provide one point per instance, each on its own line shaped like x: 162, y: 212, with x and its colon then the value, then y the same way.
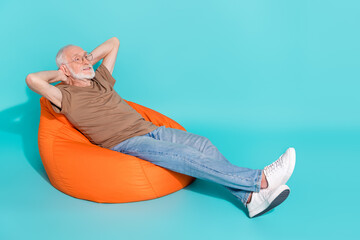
x: 90, y: 75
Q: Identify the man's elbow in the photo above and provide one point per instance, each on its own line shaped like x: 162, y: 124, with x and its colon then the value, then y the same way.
x: 116, y: 41
x: 29, y: 79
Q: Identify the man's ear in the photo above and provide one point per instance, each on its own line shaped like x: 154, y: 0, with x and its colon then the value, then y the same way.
x: 65, y: 70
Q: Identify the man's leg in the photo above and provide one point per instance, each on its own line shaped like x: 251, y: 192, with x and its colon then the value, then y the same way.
x: 204, y: 145
x: 279, y: 171
x: 194, y: 156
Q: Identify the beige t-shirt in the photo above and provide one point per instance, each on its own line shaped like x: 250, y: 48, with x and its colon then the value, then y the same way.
x: 100, y: 113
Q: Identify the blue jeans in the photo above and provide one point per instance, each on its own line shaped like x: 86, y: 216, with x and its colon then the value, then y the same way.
x: 193, y: 155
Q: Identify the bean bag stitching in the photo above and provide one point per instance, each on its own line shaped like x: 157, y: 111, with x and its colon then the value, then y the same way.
x: 59, y: 172
x: 52, y: 149
x: 150, y: 183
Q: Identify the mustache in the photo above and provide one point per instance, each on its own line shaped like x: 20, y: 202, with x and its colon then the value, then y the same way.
x: 88, y: 66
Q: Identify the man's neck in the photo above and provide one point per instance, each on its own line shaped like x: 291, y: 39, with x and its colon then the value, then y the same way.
x: 80, y: 82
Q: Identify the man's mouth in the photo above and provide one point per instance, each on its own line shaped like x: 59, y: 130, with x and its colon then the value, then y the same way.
x: 86, y: 69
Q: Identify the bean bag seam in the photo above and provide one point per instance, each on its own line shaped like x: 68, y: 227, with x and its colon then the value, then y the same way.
x: 52, y: 145
x: 55, y: 162
x: 142, y: 169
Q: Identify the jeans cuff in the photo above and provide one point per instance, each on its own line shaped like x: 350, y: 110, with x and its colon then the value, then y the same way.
x: 246, y: 197
x: 258, y: 180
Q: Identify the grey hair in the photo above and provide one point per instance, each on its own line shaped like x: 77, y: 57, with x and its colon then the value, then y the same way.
x: 59, y: 56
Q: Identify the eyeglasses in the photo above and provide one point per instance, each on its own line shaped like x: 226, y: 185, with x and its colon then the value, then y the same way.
x: 80, y: 59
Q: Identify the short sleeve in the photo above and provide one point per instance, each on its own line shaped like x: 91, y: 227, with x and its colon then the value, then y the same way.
x: 56, y: 108
x: 65, y: 101
x: 105, y: 74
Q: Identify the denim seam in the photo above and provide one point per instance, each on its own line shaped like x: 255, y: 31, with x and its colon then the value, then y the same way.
x: 155, y: 153
x: 258, y: 180
x: 244, y: 200
x: 150, y: 183
x: 247, y: 195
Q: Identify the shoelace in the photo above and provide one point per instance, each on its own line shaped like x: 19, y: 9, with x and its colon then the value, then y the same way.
x: 270, y: 168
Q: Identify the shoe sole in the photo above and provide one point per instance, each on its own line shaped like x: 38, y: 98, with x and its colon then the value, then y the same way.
x: 278, y: 200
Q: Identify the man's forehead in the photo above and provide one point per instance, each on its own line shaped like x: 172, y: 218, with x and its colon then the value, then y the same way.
x: 75, y: 50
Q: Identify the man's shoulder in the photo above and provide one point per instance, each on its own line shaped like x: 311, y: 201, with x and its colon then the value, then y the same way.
x: 103, y: 73
x: 61, y: 85
x: 102, y: 67
x: 102, y: 70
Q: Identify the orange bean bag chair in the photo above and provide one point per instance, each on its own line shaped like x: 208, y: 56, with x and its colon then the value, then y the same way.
x: 83, y: 170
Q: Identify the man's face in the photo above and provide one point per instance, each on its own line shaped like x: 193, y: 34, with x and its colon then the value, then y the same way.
x: 82, y: 70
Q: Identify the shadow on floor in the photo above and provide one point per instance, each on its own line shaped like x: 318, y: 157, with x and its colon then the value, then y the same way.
x: 214, y: 190
x: 24, y: 120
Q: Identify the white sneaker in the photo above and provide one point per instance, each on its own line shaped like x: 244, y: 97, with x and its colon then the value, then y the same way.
x: 279, y: 172
x: 266, y: 199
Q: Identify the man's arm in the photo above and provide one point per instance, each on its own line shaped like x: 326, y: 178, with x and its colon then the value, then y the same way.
x: 107, y: 50
x: 39, y: 82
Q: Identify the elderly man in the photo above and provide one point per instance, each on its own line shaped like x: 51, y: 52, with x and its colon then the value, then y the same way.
x: 88, y: 100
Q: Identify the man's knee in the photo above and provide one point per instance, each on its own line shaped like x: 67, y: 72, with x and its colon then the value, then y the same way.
x: 206, y: 144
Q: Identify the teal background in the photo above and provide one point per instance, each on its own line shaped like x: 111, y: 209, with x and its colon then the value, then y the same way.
x: 255, y: 77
